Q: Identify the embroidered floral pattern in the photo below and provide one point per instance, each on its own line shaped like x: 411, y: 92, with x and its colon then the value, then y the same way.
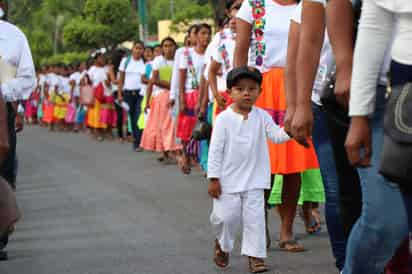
x: 223, y: 51
x: 259, y: 23
x: 191, y: 68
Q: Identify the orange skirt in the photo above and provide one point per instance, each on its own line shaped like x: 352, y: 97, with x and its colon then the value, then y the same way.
x: 48, y: 111
x: 159, y: 132
x: 290, y: 157
x: 93, y: 116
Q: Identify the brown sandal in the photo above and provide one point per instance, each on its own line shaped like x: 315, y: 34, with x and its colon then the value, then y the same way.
x: 221, y: 258
x: 291, y: 246
x: 257, y: 265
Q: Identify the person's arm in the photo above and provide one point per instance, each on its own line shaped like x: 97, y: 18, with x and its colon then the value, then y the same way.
x: 311, y: 38
x: 72, y: 86
x: 20, y: 87
x: 149, y: 91
x: 216, y: 156
x: 203, y: 95
x: 374, y: 37
x: 274, y: 133
x: 182, y: 86
x: 290, y: 74
x: 213, y: 72
x: 243, y: 35
x: 339, y: 20
x: 122, y: 76
x: 4, y: 137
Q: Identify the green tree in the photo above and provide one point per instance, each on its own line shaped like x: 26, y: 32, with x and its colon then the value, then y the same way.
x: 105, y: 23
x: 182, y: 12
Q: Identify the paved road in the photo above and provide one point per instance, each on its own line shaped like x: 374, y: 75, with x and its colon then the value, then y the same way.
x: 97, y: 208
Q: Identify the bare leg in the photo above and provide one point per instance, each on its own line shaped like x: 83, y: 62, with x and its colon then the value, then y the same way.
x: 287, y: 210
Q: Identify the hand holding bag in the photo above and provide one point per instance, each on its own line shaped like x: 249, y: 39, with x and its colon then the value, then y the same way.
x: 396, y: 157
x: 202, y: 130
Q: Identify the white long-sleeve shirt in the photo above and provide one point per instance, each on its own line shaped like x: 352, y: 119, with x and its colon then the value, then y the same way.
x: 239, y: 154
x: 15, y: 51
x: 379, y: 19
x: 174, y: 83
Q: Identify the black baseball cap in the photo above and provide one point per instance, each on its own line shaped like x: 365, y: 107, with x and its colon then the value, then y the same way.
x: 241, y: 73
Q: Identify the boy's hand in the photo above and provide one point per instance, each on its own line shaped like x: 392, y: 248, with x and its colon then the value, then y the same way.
x: 215, y: 189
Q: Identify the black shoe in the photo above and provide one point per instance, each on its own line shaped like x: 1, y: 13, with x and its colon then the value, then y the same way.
x: 3, y: 255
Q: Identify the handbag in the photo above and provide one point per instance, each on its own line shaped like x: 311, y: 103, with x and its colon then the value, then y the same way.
x: 202, y: 130
x: 86, y: 95
x: 9, y: 211
x: 396, y: 157
x: 330, y: 104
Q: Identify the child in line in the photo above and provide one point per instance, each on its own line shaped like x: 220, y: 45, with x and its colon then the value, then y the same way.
x: 239, y: 170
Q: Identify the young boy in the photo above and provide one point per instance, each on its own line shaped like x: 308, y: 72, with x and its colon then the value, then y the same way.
x: 239, y: 170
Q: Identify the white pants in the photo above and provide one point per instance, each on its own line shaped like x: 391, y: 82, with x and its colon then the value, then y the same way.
x: 230, y: 211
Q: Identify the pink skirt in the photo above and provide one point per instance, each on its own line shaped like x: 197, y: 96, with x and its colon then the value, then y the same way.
x: 30, y: 110
x: 108, y: 115
x: 187, y: 121
x: 71, y: 113
x: 159, y: 132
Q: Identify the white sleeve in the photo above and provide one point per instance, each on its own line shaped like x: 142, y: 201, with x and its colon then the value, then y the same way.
x: 157, y: 62
x: 374, y: 37
x: 174, y: 83
x: 20, y: 87
x: 273, y: 132
x: 122, y: 64
x: 297, y: 16
x: 183, y: 64
x: 245, y: 12
x: 217, y: 149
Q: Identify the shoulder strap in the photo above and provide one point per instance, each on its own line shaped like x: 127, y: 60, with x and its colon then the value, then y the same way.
x: 126, y: 64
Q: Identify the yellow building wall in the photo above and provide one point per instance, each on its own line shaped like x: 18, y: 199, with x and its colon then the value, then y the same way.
x: 164, y: 31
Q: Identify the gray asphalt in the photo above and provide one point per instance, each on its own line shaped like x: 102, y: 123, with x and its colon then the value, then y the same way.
x: 98, y: 208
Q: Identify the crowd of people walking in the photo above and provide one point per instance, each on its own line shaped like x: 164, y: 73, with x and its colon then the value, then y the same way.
x: 279, y: 110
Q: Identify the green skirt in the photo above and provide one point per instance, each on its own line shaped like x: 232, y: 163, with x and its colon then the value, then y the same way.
x: 312, y: 189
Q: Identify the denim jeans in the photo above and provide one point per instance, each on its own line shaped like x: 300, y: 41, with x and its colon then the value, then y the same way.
x: 382, y: 226
x: 324, y: 151
x: 134, y: 100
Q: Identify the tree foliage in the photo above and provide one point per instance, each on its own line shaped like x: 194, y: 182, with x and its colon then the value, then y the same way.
x: 105, y: 23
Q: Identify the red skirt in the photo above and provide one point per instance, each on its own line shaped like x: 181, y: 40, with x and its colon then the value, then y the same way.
x: 187, y: 121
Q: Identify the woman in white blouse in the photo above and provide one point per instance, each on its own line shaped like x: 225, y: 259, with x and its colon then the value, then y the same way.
x: 132, y: 68
x: 382, y: 22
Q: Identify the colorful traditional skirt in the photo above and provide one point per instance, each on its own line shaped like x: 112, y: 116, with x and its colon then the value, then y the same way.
x: 108, y: 116
x: 159, y: 132
x: 30, y: 108
x: 60, y: 106
x: 187, y: 121
x: 312, y: 189
x: 93, y: 116
x: 48, y: 110
x: 290, y: 157
x: 70, y: 114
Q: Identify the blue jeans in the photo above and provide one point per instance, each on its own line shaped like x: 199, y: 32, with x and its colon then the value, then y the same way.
x: 324, y: 151
x: 382, y: 225
x: 134, y: 100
